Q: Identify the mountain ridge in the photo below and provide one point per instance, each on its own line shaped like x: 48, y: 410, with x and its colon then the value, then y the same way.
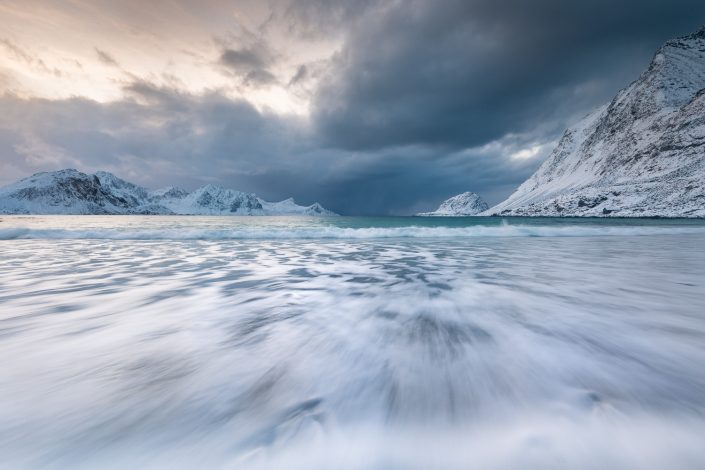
x: 70, y: 191
x: 641, y: 155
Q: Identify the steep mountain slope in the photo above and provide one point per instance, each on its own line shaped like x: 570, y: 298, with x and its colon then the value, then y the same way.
x: 642, y: 155
x: 72, y: 192
x: 463, y: 204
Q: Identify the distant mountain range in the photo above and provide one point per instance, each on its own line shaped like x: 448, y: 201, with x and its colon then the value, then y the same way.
x: 72, y: 192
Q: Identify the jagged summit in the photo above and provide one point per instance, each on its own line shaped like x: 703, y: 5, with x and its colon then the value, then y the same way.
x: 464, y: 204
x: 72, y: 192
x: 641, y: 155
x: 698, y: 34
x: 171, y: 192
x: 289, y: 206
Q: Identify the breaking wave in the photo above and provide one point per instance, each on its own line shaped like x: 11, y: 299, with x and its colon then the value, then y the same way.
x: 313, y: 233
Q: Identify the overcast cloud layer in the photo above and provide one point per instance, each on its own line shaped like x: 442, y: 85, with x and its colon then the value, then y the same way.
x: 369, y: 107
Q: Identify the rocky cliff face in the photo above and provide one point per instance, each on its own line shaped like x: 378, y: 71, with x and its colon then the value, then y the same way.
x: 460, y: 205
x: 643, y: 155
x: 72, y: 192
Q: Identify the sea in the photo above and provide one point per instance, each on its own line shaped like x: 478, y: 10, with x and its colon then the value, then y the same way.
x: 351, y: 343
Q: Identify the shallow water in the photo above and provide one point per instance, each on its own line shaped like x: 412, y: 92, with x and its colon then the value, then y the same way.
x: 179, y: 342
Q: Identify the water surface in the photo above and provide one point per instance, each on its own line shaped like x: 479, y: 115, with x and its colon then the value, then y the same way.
x: 284, y: 342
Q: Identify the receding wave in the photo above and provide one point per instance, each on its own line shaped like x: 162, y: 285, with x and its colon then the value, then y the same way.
x: 343, y: 232
x: 405, y: 353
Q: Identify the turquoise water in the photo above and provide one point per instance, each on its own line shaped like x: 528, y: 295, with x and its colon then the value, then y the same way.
x: 285, y: 342
x: 218, y: 227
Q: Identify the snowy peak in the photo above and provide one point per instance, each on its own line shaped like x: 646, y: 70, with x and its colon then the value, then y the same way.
x: 134, y: 195
x: 642, y: 155
x: 699, y: 34
x: 72, y: 192
x: 61, y: 192
x: 461, y: 205
x: 171, y: 192
x: 214, y: 200
x: 288, y: 206
x: 317, y: 209
x: 676, y: 71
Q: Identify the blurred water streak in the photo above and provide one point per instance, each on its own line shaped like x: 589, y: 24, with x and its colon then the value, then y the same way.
x: 484, y: 350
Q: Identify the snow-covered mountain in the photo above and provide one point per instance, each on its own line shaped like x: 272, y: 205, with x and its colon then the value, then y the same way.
x: 641, y: 155
x: 210, y: 200
x: 288, y: 206
x: 72, y: 192
x: 463, y: 204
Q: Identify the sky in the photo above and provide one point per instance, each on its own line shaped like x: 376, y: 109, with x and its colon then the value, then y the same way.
x: 366, y: 106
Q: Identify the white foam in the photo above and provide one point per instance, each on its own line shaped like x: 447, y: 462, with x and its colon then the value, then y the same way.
x: 554, y: 353
x: 259, y: 233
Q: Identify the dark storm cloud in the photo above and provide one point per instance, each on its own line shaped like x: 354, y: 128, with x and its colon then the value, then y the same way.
x: 424, y: 100
x: 158, y: 136
x: 461, y: 73
x: 155, y: 135
x: 404, y: 181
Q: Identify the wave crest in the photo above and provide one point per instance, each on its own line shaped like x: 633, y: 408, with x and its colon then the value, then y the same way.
x: 313, y: 233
